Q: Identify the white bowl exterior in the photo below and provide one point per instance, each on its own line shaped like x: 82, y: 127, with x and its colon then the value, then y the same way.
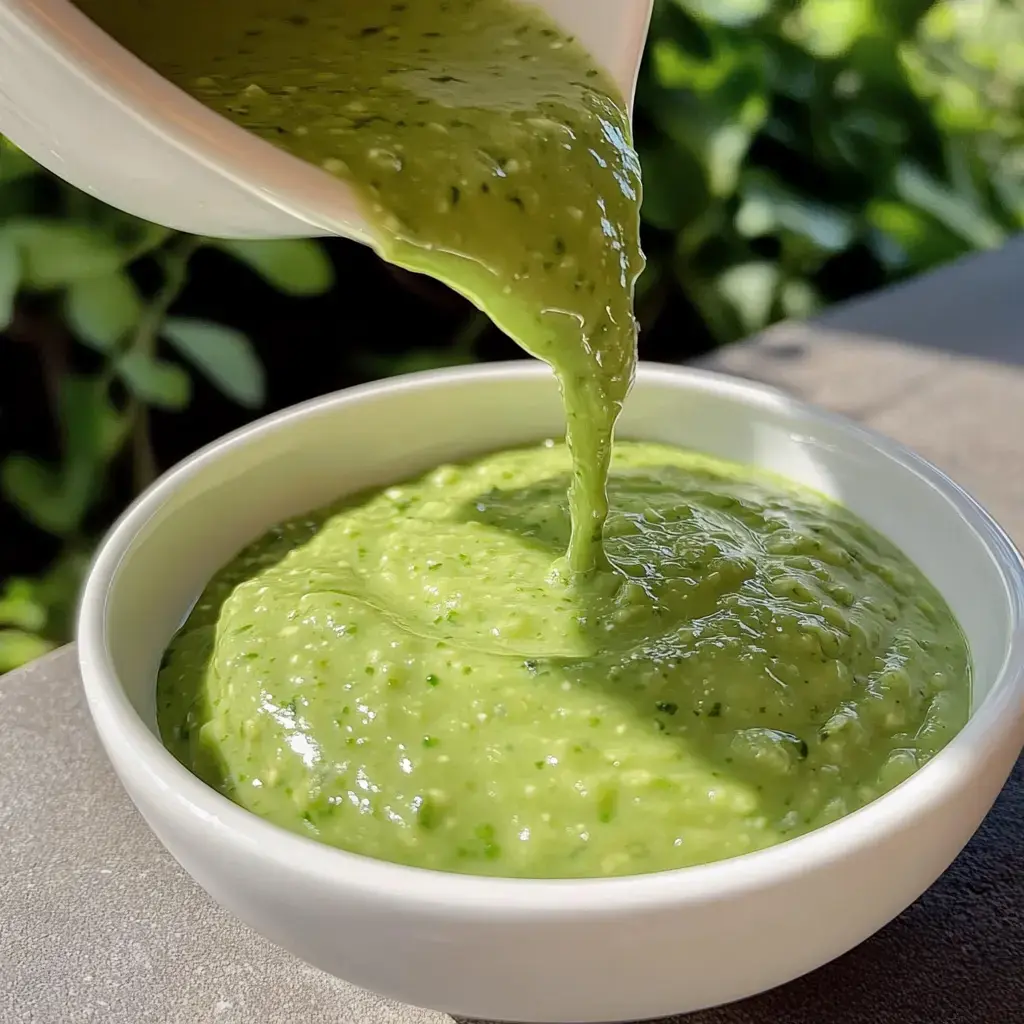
x: 92, y: 113
x: 593, y: 950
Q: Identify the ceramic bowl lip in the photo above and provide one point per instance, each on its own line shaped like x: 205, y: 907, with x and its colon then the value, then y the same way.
x: 75, y: 40
x: 293, y: 186
x: 993, y: 724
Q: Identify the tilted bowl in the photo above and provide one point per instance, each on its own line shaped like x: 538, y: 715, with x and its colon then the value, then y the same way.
x: 91, y: 112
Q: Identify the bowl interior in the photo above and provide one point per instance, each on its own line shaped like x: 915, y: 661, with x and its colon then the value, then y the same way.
x: 200, y: 514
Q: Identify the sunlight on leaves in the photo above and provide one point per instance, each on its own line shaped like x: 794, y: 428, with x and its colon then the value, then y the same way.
x: 750, y: 288
x: 828, y: 28
x: 19, y: 606
x: 958, y: 213
x: 735, y: 13
x: 18, y: 647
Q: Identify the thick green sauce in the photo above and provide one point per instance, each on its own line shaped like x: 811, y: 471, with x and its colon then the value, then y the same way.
x: 402, y: 677
x: 729, y: 661
x: 488, y: 149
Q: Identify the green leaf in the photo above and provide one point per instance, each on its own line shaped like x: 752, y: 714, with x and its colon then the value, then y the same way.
x: 102, y: 310
x: 14, y: 164
x: 224, y: 355
x: 10, y: 279
x: 725, y: 149
x: 734, y: 13
x: 1009, y: 187
x: 769, y: 206
x: 93, y: 429
x: 870, y: 140
x: 57, y: 253
x: 56, y: 499
x: 906, y: 238
x: 958, y: 213
x: 799, y: 300
x: 36, y: 491
x: 20, y: 607
x: 296, y: 266
x: 709, y: 109
x: 155, y: 381
x: 828, y: 28
x: 18, y: 648
x: 750, y: 289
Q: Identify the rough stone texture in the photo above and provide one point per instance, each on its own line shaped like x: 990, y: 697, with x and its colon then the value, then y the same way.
x: 97, y: 923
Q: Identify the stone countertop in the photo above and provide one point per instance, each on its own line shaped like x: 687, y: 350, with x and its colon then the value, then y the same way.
x: 98, y: 923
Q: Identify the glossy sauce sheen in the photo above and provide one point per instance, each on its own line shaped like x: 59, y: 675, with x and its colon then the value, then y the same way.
x: 405, y: 676
x: 489, y: 152
x: 402, y: 678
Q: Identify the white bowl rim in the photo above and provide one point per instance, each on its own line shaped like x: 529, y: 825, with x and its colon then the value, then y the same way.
x: 497, y: 897
x: 72, y: 38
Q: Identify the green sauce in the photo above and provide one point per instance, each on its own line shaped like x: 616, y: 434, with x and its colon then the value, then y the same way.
x: 401, y: 677
x: 488, y: 150
x: 729, y: 660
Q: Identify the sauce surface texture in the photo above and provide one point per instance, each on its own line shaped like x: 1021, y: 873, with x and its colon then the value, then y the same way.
x: 403, y: 677
x: 488, y: 149
x: 724, y: 662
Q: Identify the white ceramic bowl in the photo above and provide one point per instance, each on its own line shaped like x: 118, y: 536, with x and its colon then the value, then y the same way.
x: 592, y: 950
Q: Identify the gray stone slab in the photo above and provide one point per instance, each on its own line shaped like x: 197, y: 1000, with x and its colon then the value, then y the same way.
x: 97, y: 923
x: 969, y: 308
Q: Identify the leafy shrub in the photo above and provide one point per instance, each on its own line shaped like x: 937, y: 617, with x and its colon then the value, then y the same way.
x: 795, y: 152
x: 70, y: 268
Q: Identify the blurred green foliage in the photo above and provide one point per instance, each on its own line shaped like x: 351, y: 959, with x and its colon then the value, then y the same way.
x: 795, y: 152
x: 69, y: 268
x: 788, y: 145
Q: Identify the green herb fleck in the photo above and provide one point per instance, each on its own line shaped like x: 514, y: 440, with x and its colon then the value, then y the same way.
x: 429, y: 814
x: 607, y: 805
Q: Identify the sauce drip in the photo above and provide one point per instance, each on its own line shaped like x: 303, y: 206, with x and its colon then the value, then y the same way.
x: 489, y: 152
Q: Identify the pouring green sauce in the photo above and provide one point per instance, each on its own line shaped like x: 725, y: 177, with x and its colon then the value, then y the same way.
x: 487, y: 147
x: 728, y: 661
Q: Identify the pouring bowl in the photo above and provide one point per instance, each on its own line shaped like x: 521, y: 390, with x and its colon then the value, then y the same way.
x: 95, y: 115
